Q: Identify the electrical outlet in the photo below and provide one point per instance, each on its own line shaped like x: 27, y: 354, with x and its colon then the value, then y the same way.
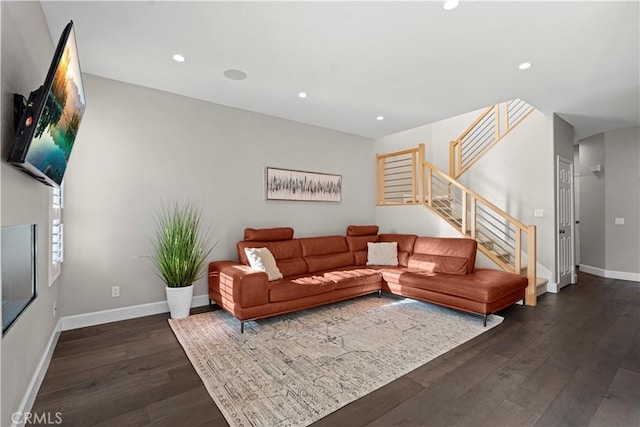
x: 115, y: 291
x: 619, y: 221
x: 538, y: 213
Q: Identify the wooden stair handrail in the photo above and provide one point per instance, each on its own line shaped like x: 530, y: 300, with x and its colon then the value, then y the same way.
x: 484, y: 114
x: 456, y: 168
x: 475, y: 195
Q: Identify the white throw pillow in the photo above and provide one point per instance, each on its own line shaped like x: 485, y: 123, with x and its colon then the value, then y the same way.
x: 262, y: 259
x: 382, y: 253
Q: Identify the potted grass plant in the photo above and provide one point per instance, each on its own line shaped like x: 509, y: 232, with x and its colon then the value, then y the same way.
x: 180, y: 249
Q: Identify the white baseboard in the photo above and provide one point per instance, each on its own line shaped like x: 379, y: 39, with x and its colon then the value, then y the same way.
x: 38, y: 376
x: 123, y: 313
x: 592, y: 270
x: 610, y: 274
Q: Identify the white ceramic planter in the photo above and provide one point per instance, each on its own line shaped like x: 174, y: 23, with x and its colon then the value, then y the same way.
x: 179, y: 300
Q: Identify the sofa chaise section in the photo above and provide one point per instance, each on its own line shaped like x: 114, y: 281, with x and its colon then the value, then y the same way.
x: 442, y: 271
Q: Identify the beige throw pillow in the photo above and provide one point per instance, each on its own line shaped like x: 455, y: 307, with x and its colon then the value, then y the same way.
x: 262, y: 259
x: 382, y: 253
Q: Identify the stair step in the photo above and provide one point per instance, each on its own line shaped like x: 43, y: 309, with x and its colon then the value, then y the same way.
x: 481, y: 238
x: 501, y: 253
x: 541, y: 281
x: 437, y: 200
x: 541, y: 285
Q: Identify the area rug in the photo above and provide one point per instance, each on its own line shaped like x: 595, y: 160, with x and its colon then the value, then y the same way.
x: 294, y: 369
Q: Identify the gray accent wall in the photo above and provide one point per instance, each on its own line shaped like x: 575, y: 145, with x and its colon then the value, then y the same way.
x: 592, y: 202
x: 26, y: 52
x: 606, y: 195
x: 138, y: 148
x: 622, y: 200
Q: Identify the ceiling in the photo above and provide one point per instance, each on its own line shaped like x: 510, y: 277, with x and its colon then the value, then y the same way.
x: 411, y: 62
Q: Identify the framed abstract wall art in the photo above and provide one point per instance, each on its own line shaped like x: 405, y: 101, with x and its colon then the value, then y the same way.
x: 287, y: 184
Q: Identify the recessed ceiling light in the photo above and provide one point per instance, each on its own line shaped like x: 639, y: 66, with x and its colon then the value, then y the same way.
x: 450, y: 4
x: 179, y: 58
x: 303, y: 94
x: 524, y: 66
x: 380, y: 118
x: 235, y: 74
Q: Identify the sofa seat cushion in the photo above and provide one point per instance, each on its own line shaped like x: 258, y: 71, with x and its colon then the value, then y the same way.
x: 299, y: 287
x: 354, y: 277
x: 483, y: 285
x: 392, y: 274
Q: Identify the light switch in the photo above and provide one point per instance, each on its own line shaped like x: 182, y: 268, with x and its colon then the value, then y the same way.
x: 619, y: 221
x: 538, y: 213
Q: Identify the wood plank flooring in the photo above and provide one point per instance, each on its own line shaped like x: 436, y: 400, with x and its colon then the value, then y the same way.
x: 574, y: 360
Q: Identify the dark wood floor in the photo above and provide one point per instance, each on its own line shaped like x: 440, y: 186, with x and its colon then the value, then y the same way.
x: 574, y: 360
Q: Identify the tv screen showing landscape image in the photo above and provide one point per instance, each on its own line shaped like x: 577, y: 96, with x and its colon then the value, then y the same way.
x: 58, y: 123
x: 57, y: 114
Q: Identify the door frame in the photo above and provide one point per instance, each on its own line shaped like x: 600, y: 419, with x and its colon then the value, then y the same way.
x: 572, y: 221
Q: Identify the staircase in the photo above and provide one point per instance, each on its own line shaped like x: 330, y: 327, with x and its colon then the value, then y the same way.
x: 486, y: 131
x: 406, y: 178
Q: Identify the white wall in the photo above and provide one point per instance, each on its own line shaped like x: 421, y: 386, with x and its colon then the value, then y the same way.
x: 445, y: 131
x: 405, y: 140
x: 516, y: 175
x: 138, y: 147
x: 27, y: 49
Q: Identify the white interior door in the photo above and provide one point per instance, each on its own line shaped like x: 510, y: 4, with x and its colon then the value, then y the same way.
x: 565, y: 223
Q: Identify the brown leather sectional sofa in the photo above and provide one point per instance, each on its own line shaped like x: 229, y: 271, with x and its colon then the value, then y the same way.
x: 326, y: 269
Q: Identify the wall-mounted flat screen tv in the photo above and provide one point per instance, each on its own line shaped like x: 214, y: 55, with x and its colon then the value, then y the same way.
x: 47, y: 123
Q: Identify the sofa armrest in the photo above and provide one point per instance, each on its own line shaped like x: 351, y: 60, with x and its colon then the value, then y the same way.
x: 238, y: 284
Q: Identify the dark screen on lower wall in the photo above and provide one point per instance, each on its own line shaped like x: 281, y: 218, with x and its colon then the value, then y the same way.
x: 18, y: 271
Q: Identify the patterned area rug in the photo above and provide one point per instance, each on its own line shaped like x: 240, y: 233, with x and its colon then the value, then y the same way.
x: 294, y: 369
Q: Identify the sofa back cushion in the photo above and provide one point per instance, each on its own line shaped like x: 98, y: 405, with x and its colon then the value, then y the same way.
x: 268, y: 234
x: 444, y: 255
x: 358, y: 245
x: 325, y: 253
x: 362, y: 230
x: 288, y: 255
x: 405, y: 245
